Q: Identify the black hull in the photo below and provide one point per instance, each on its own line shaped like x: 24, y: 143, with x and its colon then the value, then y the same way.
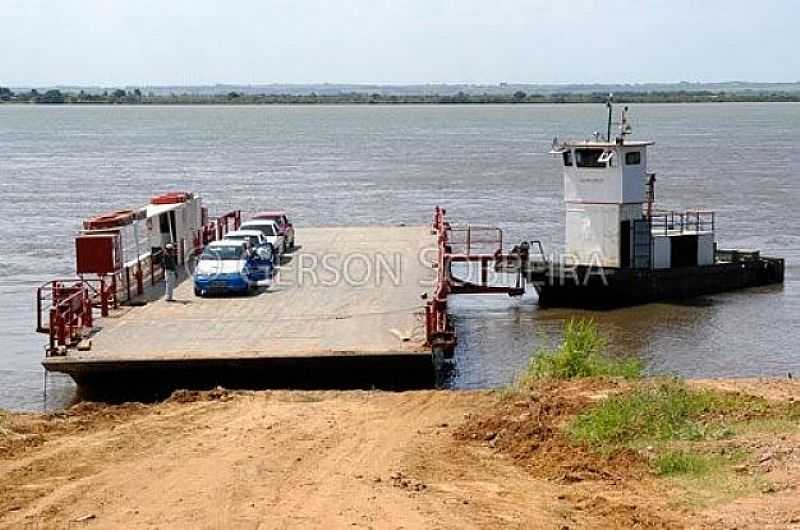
x: 116, y: 381
x: 597, y: 287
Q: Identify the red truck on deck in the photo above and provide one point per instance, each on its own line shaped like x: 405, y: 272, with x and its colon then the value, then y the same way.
x: 286, y: 229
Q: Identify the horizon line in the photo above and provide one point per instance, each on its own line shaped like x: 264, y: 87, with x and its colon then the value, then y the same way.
x: 397, y: 85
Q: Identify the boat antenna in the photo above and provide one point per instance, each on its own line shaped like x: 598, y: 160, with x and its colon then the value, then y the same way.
x: 609, y: 104
x: 625, y: 128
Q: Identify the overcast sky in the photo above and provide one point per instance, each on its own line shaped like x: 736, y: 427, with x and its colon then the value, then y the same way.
x: 190, y: 42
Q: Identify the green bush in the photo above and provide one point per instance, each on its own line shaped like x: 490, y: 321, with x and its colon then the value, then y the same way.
x: 582, y: 353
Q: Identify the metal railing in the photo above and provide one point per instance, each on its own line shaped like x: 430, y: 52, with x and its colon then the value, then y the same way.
x: 439, y: 331
x: 669, y: 221
x: 215, y: 229
x: 469, y: 239
x: 227, y: 222
x: 65, y: 309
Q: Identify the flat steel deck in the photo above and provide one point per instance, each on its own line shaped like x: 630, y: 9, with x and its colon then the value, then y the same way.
x: 344, y: 292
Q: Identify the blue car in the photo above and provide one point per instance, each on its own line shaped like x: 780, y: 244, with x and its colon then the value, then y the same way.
x: 228, y: 267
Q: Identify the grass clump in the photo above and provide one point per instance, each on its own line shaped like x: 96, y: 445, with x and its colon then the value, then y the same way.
x: 582, y: 353
x: 662, y: 411
x: 691, y: 465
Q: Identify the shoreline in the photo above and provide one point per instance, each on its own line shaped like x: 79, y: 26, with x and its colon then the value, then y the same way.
x: 381, y: 100
x: 339, y: 459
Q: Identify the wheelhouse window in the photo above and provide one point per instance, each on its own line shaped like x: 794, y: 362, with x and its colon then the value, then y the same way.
x: 567, y: 155
x: 634, y: 158
x: 589, y: 158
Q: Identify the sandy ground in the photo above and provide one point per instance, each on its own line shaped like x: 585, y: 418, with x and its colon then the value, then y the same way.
x: 255, y: 460
x: 271, y: 460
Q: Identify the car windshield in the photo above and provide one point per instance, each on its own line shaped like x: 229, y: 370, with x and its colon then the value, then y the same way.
x: 222, y: 253
x: 267, y: 230
x: 253, y: 240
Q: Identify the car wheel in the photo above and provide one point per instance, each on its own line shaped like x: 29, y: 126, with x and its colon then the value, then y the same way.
x: 198, y: 292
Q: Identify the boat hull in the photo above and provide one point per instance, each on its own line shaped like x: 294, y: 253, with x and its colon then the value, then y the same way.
x: 602, y: 287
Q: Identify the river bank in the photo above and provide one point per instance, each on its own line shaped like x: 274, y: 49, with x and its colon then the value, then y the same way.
x: 423, y: 459
x: 122, y: 97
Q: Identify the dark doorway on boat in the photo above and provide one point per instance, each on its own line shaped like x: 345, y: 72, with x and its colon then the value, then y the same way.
x: 684, y: 251
x: 625, y: 245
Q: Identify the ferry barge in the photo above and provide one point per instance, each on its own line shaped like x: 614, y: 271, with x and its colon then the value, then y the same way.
x: 110, y: 329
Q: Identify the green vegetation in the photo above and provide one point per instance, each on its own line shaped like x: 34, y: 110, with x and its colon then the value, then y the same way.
x: 582, y: 353
x: 697, y: 438
x: 681, y: 462
x: 682, y: 430
x: 136, y: 97
x: 662, y: 411
x: 788, y: 422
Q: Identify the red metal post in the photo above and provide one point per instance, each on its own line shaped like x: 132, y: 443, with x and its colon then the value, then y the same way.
x: 103, y: 297
x: 128, y: 282
x: 114, y: 288
x: 39, y: 309
x: 61, y: 332
x: 428, y: 330
x: 87, y: 308
x: 53, y: 324
x: 139, y: 278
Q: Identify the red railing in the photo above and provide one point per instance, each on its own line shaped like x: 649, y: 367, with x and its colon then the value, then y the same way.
x: 216, y: 229
x: 468, y: 239
x: 439, y: 331
x: 228, y: 222
x: 64, y: 309
x: 129, y: 282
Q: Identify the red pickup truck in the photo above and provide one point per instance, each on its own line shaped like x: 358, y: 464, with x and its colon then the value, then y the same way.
x: 285, y: 228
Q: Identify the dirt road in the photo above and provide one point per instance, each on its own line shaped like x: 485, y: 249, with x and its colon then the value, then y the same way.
x: 262, y: 460
x: 271, y: 460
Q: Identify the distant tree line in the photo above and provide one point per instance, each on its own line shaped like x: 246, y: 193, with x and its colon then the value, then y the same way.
x: 135, y: 97
x: 55, y: 96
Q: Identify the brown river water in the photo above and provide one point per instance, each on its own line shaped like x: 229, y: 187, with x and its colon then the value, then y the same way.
x: 358, y: 165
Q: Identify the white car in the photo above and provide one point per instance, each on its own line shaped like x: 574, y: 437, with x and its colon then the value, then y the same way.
x: 255, y: 238
x: 271, y: 232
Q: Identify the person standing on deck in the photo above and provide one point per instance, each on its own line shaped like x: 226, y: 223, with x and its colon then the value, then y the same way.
x: 170, y: 271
